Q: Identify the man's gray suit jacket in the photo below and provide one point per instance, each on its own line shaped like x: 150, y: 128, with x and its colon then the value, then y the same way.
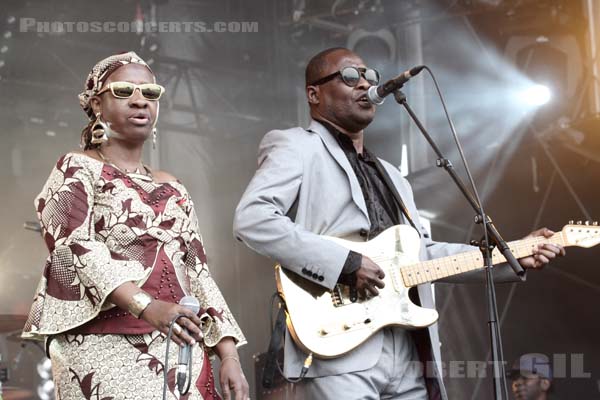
x: 306, y: 169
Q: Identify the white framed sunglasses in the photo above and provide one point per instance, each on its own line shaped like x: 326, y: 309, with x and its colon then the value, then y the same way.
x: 124, y: 90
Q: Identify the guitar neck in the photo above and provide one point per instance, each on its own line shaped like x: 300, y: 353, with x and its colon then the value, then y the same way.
x: 431, y: 270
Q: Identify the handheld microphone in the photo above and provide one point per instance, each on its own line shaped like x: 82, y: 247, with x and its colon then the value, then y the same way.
x: 33, y: 226
x: 376, y: 94
x: 183, y: 362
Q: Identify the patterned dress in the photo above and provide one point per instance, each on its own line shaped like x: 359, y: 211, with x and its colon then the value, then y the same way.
x: 104, y: 228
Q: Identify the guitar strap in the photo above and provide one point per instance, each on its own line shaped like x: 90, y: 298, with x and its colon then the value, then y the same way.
x: 392, y: 188
x: 275, y: 344
x: 390, y: 185
x: 277, y: 335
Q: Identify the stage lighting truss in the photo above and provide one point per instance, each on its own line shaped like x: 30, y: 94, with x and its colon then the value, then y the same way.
x: 6, y: 39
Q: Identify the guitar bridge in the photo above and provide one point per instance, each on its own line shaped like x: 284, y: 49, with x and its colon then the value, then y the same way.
x: 341, y: 295
x: 336, y: 296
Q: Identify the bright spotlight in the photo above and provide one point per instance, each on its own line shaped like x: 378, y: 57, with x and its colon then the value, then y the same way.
x: 536, y: 95
x: 44, y: 368
x: 46, y: 390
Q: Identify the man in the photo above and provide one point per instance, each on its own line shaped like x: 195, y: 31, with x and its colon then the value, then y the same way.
x: 322, y: 181
x: 531, y: 377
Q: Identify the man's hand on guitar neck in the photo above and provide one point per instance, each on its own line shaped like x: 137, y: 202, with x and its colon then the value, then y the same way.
x: 544, y: 253
x: 369, y: 277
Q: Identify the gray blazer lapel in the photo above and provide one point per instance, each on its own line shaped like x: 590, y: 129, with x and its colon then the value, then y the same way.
x: 337, y: 153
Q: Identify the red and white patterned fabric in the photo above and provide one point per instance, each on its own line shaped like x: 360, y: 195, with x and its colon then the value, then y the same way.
x: 104, y: 228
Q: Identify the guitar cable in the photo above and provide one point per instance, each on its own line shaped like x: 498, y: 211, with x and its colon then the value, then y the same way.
x: 307, y: 361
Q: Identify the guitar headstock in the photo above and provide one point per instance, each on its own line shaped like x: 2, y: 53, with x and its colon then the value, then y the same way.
x: 581, y: 234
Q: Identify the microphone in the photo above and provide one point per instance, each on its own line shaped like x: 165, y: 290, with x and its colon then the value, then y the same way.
x: 376, y: 94
x: 33, y: 226
x: 191, y: 303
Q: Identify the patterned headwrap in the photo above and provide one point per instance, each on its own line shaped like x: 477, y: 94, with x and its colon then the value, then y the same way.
x: 101, y: 71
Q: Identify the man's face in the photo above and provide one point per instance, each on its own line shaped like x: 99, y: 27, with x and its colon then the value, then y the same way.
x: 530, y: 387
x: 339, y: 103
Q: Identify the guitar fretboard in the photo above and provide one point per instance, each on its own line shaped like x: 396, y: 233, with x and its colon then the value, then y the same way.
x: 431, y: 270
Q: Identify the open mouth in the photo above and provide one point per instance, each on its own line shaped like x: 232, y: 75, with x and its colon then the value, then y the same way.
x: 363, y: 101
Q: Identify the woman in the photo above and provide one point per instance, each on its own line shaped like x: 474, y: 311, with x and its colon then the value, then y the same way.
x: 124, y: 249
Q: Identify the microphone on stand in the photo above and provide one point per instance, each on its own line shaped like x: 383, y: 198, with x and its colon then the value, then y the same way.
x: 183, y: 362
x: 376, y: 94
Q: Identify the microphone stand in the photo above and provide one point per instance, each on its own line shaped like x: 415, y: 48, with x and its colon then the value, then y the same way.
x: 491, y: 238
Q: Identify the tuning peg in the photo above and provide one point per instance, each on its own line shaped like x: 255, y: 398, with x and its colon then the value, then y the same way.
x: 595, y: 223
x: 578, y: 222
x: 587, y: 222
x: 571, y: 222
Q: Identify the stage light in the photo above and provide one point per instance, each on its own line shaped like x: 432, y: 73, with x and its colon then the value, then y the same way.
x: 554, y: 60
x: 150, y: 43
x: 536, y: 95
x: 379, y: 45
x: 149, y: 47
x: 44, y: 368
x: 45, y: 390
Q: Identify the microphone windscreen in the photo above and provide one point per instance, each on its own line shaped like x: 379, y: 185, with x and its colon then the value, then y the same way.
x: 191, y: 303
x: 415, y: 70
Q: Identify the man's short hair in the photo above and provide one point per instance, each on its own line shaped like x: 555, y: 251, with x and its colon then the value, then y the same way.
x: 317, y: 66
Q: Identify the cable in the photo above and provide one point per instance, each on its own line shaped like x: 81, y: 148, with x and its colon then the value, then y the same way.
x: 484, y: 222
x: 309, y: 358
x: 273, y: 296
x: 189, y: 380
x: 166, y: 365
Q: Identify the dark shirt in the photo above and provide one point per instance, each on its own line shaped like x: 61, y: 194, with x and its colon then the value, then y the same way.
x: 381, y: 206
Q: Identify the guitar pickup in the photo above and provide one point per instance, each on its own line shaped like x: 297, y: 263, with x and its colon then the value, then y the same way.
x: 348, y: 326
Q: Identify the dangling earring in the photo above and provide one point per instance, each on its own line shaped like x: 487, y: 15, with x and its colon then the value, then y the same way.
x: 99, y: 130
x: 154, y: 133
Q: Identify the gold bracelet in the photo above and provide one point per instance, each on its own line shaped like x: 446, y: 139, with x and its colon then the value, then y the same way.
x: 230, y: 357
x: 139, y: 302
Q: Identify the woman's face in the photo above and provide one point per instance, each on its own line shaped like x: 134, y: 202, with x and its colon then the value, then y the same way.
x: 133, y: 118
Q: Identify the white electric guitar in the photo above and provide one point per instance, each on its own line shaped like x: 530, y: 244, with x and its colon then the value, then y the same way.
x: 328, y: 324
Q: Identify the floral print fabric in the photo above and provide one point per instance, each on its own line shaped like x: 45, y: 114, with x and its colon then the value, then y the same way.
x: 103, y: 228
